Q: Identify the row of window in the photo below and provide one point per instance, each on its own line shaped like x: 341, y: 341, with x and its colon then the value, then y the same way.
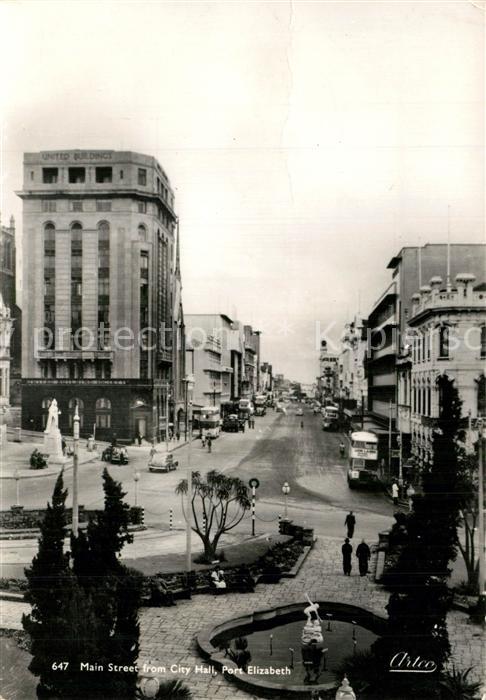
x: 7, y: 256
x: 422, y: 345
x: 77, y: 205
x: 102, y: 412
x: 422, y: 398
x: 75, y: 369
x: 50, y: 205
x: 77, y: 175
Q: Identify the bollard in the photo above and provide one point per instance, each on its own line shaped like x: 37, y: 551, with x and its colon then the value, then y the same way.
x: 170, y: 519
x: 205, y: 525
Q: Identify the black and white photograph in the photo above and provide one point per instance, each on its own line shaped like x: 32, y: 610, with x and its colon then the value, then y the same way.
x: 242, y: 350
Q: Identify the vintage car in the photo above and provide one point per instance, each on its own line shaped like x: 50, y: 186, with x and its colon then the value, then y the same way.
x: 115, y: 455
x: 230, y: 423
x: 160, y: 462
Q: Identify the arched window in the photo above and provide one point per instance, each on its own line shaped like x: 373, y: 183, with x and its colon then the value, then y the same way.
x: 142, y: 233
x: 481, y: 382
x: 46, y: 402
x: 444, y: 341
x: 103, y: 413
x: 72, y: 407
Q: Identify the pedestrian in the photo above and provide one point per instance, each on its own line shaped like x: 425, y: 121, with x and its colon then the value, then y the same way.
x: 347, y: 551
x: 342, y: 448
x: 178, y: 436
x: 410, y: 495
x: 302, y: 424
x: 203, y: 440
x: 63, y: 446
x: 139, y: 438
x: 350, y: 522
x: 209, y: 441
x: 152, y: 452
x: 395, y: 493
x: 364, y: 555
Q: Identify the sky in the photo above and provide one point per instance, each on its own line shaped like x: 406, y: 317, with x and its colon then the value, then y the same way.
x: 306, y: 142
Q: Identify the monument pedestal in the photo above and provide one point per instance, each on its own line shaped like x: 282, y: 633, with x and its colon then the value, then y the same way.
x: 53, y: 446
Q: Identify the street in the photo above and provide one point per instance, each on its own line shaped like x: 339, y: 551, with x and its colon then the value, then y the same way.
x: 277, y: 450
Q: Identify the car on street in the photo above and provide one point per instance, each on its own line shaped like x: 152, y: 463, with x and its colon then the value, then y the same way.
x: 316, y: 410
x: 162, y: 463
x: 299, y: 412
x: 230, y: 423
x: 114, y: 455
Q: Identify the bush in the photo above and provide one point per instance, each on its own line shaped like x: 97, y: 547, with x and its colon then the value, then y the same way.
x: 455, y: 685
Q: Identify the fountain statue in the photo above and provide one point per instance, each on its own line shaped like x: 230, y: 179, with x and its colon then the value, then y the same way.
x: 52, y: 435
x: 312, y: 642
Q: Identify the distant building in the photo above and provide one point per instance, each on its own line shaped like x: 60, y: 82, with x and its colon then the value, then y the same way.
x: 251, y: 379
x: 102, y: 321
x: 352, y: 380
x: 328, y: 379
x: 210, y: 337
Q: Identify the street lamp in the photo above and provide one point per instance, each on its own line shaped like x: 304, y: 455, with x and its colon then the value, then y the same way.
x: 17, y: 486
x: 286, y: 491
x: 189, y: 382
x: 136, y: 478
x: 75, y: 470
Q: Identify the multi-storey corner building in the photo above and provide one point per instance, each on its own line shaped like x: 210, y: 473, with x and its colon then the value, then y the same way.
x: 389, y: 417
x: 447, y: 338
x: 8, y: 282
x: 210, y: 337
x: 101, y: 293
x: 266, y: 377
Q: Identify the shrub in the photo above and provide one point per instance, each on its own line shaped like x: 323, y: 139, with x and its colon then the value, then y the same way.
x: 455, y: 685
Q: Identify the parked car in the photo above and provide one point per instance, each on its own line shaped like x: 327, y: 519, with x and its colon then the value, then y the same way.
x: 162, y: 463
x: 115, y: 455
x: 299, y: 412
x: 230, y: 423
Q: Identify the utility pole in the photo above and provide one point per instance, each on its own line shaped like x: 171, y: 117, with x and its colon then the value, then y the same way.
x: 390, y: 439
x: 482, y: 552
x: 75, y: 523
x: 189, y: 383
x: 167, y: 387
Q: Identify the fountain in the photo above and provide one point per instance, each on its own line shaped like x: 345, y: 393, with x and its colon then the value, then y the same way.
x: 316, y: 649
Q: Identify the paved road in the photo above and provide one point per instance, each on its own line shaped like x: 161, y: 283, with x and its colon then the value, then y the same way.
x: 277, y: 450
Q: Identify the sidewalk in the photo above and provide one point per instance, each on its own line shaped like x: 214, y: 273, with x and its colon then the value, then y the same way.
x: 14, y: 461
x: 168, y: 634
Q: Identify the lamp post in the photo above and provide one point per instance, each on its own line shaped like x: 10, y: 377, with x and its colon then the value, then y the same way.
x: 189, y: 382
x: 482, y: 565
x: 75, y: 470
x: 136, y: 479
x: 286, y: 491
x: 17, y: 487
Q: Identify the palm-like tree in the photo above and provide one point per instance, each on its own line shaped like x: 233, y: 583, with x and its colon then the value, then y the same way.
x: 218, y: 504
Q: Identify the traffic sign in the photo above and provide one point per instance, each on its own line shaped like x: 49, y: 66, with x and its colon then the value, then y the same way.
x: 254, y: 483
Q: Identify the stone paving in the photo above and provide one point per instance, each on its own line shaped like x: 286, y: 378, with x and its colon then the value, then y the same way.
x: 168, y: 634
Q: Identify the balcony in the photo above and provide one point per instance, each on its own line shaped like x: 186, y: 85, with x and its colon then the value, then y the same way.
x: 164, y: 356
x: 64, y: 355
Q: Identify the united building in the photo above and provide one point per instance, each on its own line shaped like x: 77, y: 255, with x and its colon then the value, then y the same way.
x: 102, y: 322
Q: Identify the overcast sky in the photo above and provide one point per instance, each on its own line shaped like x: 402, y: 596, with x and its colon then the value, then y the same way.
x: 307, y: 142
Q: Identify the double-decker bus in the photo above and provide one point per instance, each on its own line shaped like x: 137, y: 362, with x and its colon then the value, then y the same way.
x: 363, y: 460
x: 260, y: 404
x: 209, y: 421
x: 330, y: 416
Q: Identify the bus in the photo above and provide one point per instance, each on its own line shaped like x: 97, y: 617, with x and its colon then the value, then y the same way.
x: 363, y: 460
x: 209, y: 420
x: 245, y: 408
x: 330, y: 417
x: 260, y: 404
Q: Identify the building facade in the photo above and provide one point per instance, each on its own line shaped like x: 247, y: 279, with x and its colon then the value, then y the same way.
x: 210, y: 337
x: 328, y: 379
x: 8, y: 284
x: 101, y: 293
x: 353, y: 385
x: 6, y: 327
x: 448, y: 339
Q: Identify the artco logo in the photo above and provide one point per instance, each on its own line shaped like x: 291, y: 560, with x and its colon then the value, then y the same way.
x: 402, y: 662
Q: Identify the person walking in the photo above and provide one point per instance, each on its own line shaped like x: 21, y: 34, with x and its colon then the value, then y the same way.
x: 178, y: 436
x: 203, y: 440
x: 302, y: 424
x: 395, y: 493
x: 363, y: 553
x: 350, y: 523
x: 342, y: 449
x: 210, y: 442
x: 410, y: 494
x: 347, y: 551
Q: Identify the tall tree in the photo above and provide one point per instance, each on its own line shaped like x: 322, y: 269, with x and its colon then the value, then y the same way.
x: 468, y: 488
x: 114, y: 590
x: 218, y: 504
x: 61, y: 612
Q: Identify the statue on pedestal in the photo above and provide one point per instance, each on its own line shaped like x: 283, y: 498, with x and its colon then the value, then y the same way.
x: 52, y: 435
